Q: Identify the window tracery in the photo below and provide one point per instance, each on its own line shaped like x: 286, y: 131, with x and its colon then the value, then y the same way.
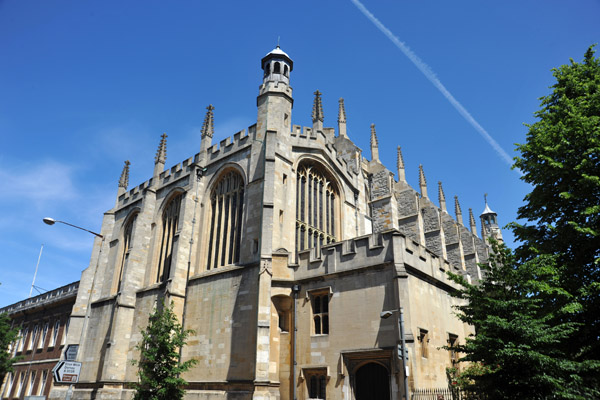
x: 227, y: 204
x: 316, y: 207
x: 170, y: 220
x: 127, y: 233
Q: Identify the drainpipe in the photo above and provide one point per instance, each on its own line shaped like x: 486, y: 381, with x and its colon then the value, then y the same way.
x: 295, y: 290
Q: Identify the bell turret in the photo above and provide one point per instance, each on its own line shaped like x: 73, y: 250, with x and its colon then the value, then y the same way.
x: 277, y: 66
x: 489, y: 224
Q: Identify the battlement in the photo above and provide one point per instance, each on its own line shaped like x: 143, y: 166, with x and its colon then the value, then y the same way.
x: 44, y: 299
x: 304, y: 135
x: 372, y: 250
x: 230, y: 144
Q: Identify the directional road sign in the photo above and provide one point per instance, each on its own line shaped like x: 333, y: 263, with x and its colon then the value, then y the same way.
x: 66, y: 371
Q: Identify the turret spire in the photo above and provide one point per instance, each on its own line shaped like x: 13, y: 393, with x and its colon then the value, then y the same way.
x: 422, y: 182
x: 317, y: 113
x: 342, y: 118
x: 400, y: 166
x: 208, y: 128
x: 123, y: 181
x: 161, y: 155
x: 374, y: 144
x: 457, y: 210
x: 472, y: 222
x: 441, y: 197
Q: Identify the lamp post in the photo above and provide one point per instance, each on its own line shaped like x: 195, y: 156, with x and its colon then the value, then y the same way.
x: 403, y: 354
x: 52, y: 221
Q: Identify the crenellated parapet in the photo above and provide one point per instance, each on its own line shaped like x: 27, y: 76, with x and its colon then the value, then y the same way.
x: 372, y: 251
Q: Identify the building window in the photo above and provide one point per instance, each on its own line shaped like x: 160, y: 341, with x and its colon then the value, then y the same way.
x: 127, y: 232
x: 316, y: 383
x: 43, y: 336
x: 30, y: 383
x: 227, y: 204
x: 170, y: 222
x: 31, y: 341
x: 320, y: 312
x: 42, y: 384
x: 7, y: 385
x: 424, y: 342
x: 20, y: 384
x: 452, y: 344
x: 54, y: 333
x: 316, y: 207
x: 22, y: 339
x: 63, y: 341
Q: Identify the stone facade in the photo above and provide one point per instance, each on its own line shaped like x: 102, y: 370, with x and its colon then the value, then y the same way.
x: 280, y: 247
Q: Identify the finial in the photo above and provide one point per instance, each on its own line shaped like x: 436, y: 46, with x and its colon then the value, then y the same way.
x: 400, y: 166
x: 124, y: 180
x: 317, y: 112
x: 441, y: 196
x: 161, y: 153
x: 374, y: 144
x: 422, y: 181
x: 277, y: 41
x: 342, y: 111
x: 458, y: 211
x: 485, y: 198
x: 208, y: 128
x: 342, y: 118
x: 472, y: 222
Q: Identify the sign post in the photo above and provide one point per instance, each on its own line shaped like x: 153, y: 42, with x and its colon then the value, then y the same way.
x: 66, y: 372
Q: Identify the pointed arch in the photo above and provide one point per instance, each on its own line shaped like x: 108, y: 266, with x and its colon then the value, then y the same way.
x: 317, y: 206
x: 126, y: 236
x: 225, y: 219
x: 170, y: 229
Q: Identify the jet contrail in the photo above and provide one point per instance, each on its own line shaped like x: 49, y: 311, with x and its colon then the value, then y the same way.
x: 429, y: 74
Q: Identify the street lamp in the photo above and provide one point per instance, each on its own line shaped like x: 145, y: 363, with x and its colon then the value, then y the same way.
x: 52, y: 221
x: 403, y: 354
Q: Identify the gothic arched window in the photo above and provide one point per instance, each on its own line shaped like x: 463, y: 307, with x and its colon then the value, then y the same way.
x: 316, y: 207
x: 127, y: 232
x: 170, y: 222
x: 227, y: 203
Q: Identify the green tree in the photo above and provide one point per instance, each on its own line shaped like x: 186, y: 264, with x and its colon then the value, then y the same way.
x: 160, y: 366
x: 561, y: 160
x: 8, y: 336
x: 515, y: 353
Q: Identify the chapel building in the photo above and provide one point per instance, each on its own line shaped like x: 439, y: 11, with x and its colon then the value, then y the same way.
x: 281, y: 247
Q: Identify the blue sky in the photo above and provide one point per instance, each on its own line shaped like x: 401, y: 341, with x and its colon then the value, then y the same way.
x: 87, y: 85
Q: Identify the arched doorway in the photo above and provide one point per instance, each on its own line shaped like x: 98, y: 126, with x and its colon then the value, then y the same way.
x: 372, y: 382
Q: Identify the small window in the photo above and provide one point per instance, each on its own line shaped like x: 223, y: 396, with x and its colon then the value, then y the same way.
x: 285, y: 70
x: 424, y: 342
x: 316, y: 383
x: 22, y: 339
x: 31, y: 341
x: 30, y: 384
x: 54, y: 333
x: 7, y: 385
x: 20, y: 384
x: 320, y: 309
x: 65, y: 331
x: 42, y: 385
x: 42, y: 340
x: 452, y: 343
x: 277, y: 68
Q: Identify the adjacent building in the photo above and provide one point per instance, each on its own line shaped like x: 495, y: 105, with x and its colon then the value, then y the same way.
x: 281, y: 247
x: 43, y: 322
